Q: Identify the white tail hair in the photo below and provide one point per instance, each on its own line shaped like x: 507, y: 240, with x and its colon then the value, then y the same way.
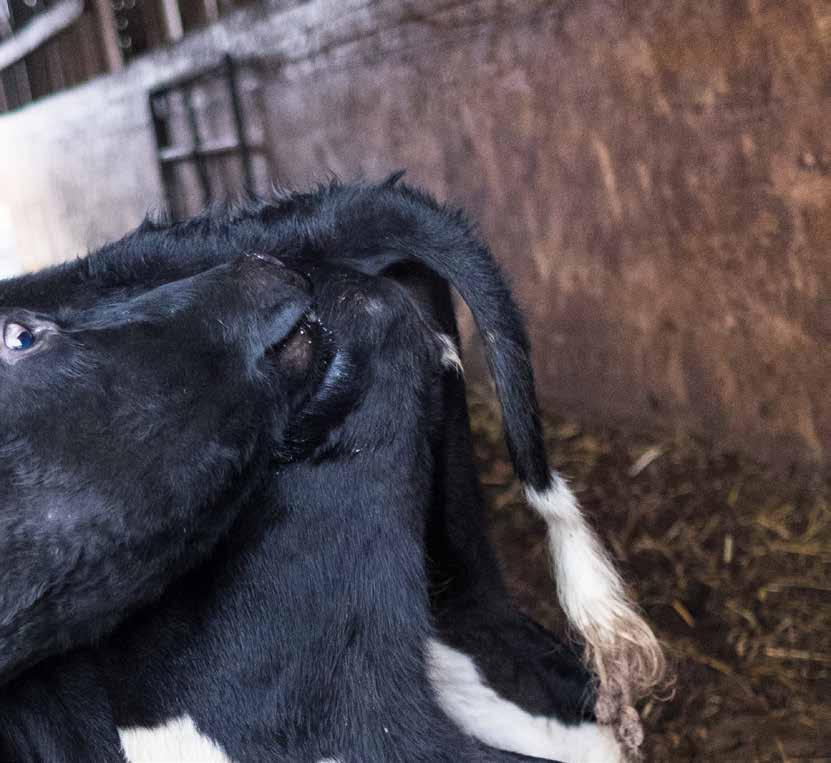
x: 450, y: 357
x: 620, y: 646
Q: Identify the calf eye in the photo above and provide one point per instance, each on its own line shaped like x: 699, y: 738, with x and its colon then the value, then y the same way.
x: 18, y: 338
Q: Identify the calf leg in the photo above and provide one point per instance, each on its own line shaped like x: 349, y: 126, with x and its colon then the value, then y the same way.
x: 472, y: 607
x: 490, y: 662
x: 499, y: 674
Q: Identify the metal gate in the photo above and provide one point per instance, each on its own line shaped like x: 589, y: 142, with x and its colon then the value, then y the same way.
x: 211, y: 137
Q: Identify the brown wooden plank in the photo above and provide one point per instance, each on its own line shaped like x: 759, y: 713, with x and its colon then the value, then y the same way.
x: 172, y: 17
x: 108, y: 35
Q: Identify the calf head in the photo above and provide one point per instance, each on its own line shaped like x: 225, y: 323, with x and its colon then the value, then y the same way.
x: 128, y: 417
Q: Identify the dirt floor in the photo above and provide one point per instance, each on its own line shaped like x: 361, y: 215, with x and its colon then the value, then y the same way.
x: 731, y: 562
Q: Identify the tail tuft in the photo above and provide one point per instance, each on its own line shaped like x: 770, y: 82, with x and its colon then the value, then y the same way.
x: 620, y: 646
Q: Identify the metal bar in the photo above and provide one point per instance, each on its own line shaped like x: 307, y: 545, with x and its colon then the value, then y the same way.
x: 201, y: 166
x: 267, y: 146
x: 186, y: 80
x: 176, y: 154
x: 160, y: 132
x: 239, y: 121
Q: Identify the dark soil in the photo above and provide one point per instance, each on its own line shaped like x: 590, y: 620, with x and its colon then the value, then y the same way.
x: 731, y: 562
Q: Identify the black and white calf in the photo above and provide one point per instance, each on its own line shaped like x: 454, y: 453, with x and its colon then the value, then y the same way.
x: 377, y: 229
x: 210, y: 619
x: 311, y: 621
x: 303, y: 636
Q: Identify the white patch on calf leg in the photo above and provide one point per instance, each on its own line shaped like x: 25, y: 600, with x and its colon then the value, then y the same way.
x: 450, y: 357
x: 481, y: 712
x: 620, y: 646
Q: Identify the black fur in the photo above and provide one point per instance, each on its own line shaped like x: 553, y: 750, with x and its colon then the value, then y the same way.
x: 132, y: 430
x: 58, y: 712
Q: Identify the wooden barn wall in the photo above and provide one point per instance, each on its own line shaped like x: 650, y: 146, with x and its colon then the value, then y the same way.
x: 654, y: 176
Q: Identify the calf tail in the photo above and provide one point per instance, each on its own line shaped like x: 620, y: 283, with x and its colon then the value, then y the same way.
x: 620, y: 646
x: 377, y: 227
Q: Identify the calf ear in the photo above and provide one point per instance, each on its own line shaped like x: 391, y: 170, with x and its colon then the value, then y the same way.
x: 332, y: 388
x: 297, y: 351
x: 287, y: 331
